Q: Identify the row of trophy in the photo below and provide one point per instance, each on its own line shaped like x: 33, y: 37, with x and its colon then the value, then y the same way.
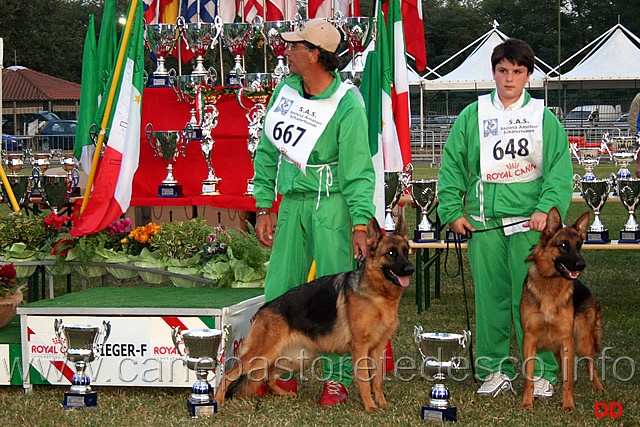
x: 623, y: 150
x: 54, y: 190
x: 202, y: 349
x: 199, y: 37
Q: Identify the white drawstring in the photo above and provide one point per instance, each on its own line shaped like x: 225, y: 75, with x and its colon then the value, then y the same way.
x: 480, y: 196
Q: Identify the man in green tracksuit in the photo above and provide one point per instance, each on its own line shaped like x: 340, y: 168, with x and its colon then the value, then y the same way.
x: 314, y: 149
x: 507, y: 158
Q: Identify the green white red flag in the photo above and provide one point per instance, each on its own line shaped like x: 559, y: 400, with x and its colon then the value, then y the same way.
x: 111, y: 194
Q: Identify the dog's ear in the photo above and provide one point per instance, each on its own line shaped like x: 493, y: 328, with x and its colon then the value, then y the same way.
x: 554, y: 222
x: 581, y: 225
x: 374, y: 234
x: 401, y: 226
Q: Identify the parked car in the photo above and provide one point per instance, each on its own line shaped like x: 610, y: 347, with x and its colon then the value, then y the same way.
x: 59, y: 134
x: 11, y: 143
x: 591, y: 115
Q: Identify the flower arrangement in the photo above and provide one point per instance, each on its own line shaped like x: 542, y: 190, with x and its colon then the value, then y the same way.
x: 218, y: 243
x: 140, y: 238
x: 7, y: 279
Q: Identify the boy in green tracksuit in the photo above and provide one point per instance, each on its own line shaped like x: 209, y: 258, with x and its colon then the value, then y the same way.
x: 507, y: 159
x: 314, y: 151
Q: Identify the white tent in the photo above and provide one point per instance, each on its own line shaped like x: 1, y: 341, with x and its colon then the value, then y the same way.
x: 475, y: 71
x: 611, y: 61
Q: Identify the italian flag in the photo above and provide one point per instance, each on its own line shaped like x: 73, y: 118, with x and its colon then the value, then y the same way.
x: 111, y: 194
x: 97, y: 66
x: 385, y: 91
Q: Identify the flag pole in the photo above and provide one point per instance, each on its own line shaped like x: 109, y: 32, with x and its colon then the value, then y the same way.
x: 112, y: 92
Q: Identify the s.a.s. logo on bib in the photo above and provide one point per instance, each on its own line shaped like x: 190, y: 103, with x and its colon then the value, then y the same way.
x: 284, y: 106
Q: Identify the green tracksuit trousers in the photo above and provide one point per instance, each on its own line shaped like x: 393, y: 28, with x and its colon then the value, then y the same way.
x: 304, y: 234
x: 498, y: 268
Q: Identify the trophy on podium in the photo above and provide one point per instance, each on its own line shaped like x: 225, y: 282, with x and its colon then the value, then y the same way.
x: 199, y: 38
x: 169, y: 145
x: 272, y: 31
x: 203, y: 354
x: 360, y: 31
x: 624, y: 150
x: 423, y: 193
x: 595, y: 193
x: 21, y: 185
x: 161, y: 38
x: 209, y: 123
x: 629, y: 193
x: 439, y: 353
x: 81, y: 344
x: 237, y: 36
x: 392, y: 192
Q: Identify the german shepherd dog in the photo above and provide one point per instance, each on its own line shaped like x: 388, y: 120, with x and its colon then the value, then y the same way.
x: 355, y: 312
x: 557, y: 311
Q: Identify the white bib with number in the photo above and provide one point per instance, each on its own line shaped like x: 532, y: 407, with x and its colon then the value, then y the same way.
x: 295, y: 124
x: 510, y: 141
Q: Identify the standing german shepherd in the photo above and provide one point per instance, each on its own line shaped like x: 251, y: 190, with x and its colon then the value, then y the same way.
x: 557, y: 309
x: 355, y: 312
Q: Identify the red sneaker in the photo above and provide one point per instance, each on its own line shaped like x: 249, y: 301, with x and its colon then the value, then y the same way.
x: 333, y: 393
x: 290, y: 385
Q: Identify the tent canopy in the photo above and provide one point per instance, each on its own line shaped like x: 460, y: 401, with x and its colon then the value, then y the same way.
x: 474, y: 73
x: 611, y: 61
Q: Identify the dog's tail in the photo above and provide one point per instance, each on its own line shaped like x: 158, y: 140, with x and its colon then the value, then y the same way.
x: 241, y: 387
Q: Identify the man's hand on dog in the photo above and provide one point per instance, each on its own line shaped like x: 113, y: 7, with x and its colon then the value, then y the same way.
x: 537, y: 222
x: 359, y: 245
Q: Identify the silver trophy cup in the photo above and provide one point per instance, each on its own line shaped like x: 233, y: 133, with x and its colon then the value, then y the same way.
x: 629, y: 193
x: 169, y: 145
x: 81, y: 344
x: 624, y: 150
x: 203, y: 354
x: 20, y: 184
x: 161, y: 39
x: 595, y: 193
x: 237, y: 36
x: 359, y: 31
x: 392, y: 192
x: 272, y: 31
x: 439, y: 353
x: 424, y: 193
x: 199, y: 38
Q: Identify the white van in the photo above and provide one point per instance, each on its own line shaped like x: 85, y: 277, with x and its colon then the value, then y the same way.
x: 591, y: 115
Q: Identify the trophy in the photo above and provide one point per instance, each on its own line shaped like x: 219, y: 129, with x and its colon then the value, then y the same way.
x: 260, y: 86
x: 439, y: 357
x: 42, y: 161
x: 161, y: 38
x: 423, y: 193
x: 81, y: 344
x: 203, y: 354
x: 209, y: 123
x: 20, y: 184
x: 392, y: 192
x: 170, y: 145
x: 624, y: 151
x: 56, y: 189
x: 187, y: 87
x: 359, y: 31
x: 629, y: 193
x: 200, y: 37
x: 595, y: 193
x: 237, y: 36
x: 272, y: 31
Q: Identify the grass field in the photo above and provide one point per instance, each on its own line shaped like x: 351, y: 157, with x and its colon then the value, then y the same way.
x: 611, y: 275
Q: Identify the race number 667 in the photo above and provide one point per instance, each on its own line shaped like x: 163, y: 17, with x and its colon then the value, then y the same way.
x: 287, y: 134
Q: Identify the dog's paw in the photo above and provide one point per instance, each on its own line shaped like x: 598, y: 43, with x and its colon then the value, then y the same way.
x: 525, y: 406
x: 569, y: 408
x: 372, y: 408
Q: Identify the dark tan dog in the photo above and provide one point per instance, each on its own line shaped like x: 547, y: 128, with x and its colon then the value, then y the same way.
x: 354, y: 312
x: 557, y: 311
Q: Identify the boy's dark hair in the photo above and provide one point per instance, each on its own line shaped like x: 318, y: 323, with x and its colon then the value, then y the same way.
x: 515, y: 51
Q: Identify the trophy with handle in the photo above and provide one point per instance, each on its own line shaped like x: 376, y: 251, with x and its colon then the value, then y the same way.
x: 237, y: 36
x: 21, y: 185
x: 392, y: 192
x: 423, y: 193
x: 439, y: 351
x: 272, y: 31
x: 595, y: 193
x: 169, y: 145
x: 629, y: 193
x: 199, y: 38
x: 161, y: 38
x: 624, y: 150
x: 81, y: 344
x: 203, y: 354
x: 359, y: 31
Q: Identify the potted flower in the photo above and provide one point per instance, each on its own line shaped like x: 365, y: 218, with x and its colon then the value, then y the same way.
x: 10, y: 298
x: 21, y: 236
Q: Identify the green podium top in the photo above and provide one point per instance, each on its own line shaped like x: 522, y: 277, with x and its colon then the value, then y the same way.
x: 149, y: 297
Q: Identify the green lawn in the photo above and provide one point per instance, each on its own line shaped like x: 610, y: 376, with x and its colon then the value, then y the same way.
x: 611, y: 275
